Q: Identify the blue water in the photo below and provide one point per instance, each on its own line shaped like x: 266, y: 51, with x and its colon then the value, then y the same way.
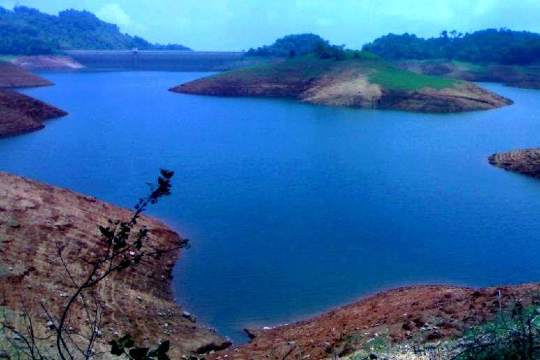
x: 292, y: 208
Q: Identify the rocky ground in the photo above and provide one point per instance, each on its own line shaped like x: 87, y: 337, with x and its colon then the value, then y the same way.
x: 354, y: 83
x: 526, y: 161
x: 35, y: 219
x: 413, y: 316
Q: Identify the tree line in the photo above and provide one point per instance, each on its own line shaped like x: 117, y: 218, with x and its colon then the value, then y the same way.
x: 501, y: 46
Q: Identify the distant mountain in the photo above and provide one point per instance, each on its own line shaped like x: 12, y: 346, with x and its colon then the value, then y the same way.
x: 501, y: 46
x: 27, y: 31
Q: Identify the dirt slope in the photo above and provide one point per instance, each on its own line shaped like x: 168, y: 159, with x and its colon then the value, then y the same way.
x: 34, y: 218
x: 21, y: 114
x: 14, y: 76
x: 414, y: 314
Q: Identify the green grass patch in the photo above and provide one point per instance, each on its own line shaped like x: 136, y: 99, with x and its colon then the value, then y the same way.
x: 397, y: 79
x: 307, y: 67
x: 302, y: 67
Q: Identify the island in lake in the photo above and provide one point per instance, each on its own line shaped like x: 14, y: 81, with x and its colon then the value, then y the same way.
x: 330, y: 75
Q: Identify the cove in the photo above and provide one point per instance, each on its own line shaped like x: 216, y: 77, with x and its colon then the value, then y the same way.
x: 293, y: 208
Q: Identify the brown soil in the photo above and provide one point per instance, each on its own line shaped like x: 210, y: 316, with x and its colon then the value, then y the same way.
x: 464, y: 97
x: 12, y: 76
x: 35, y: 219
x: 21, y: 114
x: 525, y: 161
x: 415, y: 314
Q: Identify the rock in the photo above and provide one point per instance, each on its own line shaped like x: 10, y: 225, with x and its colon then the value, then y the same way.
x: 189, y: 316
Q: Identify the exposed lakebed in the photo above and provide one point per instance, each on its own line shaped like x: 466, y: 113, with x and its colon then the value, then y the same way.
x: 294, y: 208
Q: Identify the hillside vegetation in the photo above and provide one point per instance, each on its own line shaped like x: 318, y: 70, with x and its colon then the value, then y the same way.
x: 27, y: 31
x: 291, y: 45
x: 501, y: 46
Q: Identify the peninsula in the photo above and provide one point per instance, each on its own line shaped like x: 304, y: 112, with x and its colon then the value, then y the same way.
x: 526, y: 161
x: 20, y: 113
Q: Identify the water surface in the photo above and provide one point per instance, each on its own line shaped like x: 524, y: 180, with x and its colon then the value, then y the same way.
x: 295, y: 208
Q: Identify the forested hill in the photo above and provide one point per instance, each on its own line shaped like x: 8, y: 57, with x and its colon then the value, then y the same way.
x: 27, y: 31
x: 292, y: 45
x: 501, y: 46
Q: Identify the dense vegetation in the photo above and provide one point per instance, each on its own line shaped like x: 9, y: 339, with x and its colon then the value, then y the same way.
x: 487, y: 46
x: 299, y: 44
x: 28, y: 31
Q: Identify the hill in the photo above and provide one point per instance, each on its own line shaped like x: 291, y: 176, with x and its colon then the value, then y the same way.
x: 355, y: 79
x: 290, y: 46
x: 501, y: 46
x: 27, y: 31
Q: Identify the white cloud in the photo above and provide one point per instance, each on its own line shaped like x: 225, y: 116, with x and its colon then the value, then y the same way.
x: 114, y: 13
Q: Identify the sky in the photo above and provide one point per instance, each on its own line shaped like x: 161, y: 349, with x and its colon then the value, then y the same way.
x: 241, y: 24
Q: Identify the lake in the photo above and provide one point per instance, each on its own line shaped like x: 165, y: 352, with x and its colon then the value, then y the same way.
x: 293, y: 208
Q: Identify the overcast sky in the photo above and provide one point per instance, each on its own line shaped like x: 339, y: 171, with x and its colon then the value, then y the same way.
x: 241, y: 24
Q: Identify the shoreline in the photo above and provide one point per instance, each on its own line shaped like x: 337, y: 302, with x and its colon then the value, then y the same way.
x: 409, y: 315
x: 35, y: 216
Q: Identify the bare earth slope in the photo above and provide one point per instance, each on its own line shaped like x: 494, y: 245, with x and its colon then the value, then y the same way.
x: 14, y: 76
x: 415, y: 314
x: 353, y: 82
x: 525, y: 161
x: 35, y: 218
x: 21, y: 114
